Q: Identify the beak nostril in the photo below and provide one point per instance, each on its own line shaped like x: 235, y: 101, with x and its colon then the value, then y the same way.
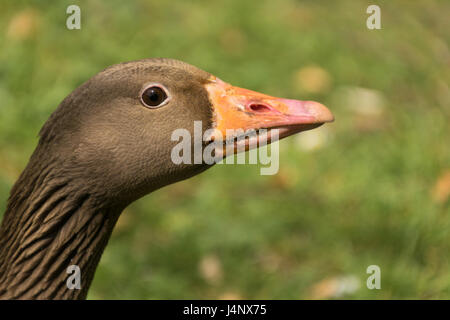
x: 258, y: 107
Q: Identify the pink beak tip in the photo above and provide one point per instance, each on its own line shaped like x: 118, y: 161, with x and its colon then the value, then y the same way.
x: 318, y: 111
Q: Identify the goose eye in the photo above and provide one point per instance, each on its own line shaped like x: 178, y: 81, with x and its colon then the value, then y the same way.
x: 154, y: 96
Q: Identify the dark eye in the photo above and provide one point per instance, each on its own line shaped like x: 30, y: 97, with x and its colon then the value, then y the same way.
x: 154, y: 96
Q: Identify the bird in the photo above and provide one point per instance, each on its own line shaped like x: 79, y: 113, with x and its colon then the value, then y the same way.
x: 109, y: 143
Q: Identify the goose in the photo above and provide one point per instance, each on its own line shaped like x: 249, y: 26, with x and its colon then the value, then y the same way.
x: 108, y: 144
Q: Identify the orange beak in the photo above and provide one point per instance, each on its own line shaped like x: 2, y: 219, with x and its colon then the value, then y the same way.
x: 237, y: 108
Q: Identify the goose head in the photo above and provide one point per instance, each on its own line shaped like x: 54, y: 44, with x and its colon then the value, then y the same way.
x: 116, y: 130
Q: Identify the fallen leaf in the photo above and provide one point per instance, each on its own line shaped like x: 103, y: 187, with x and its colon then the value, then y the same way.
x: 23, y: 25
x: 312, y: 140
x: 210, y: 269
x: 313, y: 79
x: 367, y: 106
x: 441, y: 190
x: 365, y: 102
x: 335, y: 287
x: 230, y: 296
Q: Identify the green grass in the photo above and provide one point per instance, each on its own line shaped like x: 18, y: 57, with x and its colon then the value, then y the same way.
x: 364, y: 197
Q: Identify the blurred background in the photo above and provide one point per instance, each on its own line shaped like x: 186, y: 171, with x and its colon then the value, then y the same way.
x: 372, y: 188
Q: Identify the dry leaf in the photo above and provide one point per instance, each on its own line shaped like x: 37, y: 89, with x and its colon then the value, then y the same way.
x: 230, y: 296
x: 312, y: 79
x: 210, y: 269
x: 23, y: 25
x: 365, y: 102
x: 335, y: 287
x: 312, y: 140
x: 441, y: 190
x: 367, y: 106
